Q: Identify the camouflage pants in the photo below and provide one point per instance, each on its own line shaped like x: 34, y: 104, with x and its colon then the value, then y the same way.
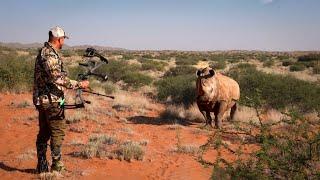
x: 51, y: 127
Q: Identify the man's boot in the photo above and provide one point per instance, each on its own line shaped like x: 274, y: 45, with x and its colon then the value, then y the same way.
x: 42, y: 165
x: 57, y: 164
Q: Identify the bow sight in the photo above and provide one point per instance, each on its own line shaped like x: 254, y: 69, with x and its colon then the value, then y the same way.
x: 91, y: 67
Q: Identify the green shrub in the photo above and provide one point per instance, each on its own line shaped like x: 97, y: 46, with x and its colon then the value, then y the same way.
x: 181, y: 89
x: 68, y: 53
x: 218, y: 64
x: 276, y: 91
x: 297, y: 67
x: 147, y: 56
x: 16, y: 72
x: 187, y: 60
x: 153, y: 65
x: 128, y: 56
x: 309, y: 57
x: 117, y: 69
x: 181, y: 70
x: 262, y: 57
x: 136, y: 79
x: 268, y: 63
x: 73, y: 71
x: 287, y: 62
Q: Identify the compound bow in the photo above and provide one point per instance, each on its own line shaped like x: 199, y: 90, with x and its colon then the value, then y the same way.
x: 91, y: 67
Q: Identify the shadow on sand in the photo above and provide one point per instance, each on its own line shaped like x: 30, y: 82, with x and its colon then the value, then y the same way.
x: 10, y: 169
x: 157, y: 120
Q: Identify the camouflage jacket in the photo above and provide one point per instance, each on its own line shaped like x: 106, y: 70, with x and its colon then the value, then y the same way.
x: 49, y: 77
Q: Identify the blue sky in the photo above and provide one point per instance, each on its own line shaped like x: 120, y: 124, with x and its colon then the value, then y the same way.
x: 167, y: 24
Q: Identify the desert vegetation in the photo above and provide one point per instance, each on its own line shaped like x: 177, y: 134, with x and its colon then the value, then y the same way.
x: 156, y: 89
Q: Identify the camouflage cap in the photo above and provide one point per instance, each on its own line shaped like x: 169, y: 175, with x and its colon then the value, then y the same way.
x: 58, y: 32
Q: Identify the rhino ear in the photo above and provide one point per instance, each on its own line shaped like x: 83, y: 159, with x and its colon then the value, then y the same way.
x: 198, y: 73
x: 212, y: 73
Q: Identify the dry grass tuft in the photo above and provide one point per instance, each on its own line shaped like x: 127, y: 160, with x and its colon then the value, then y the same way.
x: 174, y: 127
x: 96, y: 147
x: 76, y: 117
x: 246, y: 114
x: 50, y: 176
x: 129, y: 151
x: 187, y: 149
x: 130, y: 101
x: 177, y: 113
x: 28, y: 155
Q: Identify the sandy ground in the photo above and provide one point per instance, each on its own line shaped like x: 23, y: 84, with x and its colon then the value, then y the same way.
x: 19, y: 126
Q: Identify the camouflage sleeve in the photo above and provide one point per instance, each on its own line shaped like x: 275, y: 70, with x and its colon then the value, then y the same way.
x: 53, y: 67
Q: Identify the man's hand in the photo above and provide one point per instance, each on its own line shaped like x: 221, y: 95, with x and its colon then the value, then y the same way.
x: 84, y: 84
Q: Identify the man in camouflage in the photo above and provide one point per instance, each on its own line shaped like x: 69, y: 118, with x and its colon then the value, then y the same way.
x: 50, y: 80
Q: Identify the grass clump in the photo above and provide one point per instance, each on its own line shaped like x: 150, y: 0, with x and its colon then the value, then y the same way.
x: 187, y: 149
x: 130, y: 150
x: 97, y: 146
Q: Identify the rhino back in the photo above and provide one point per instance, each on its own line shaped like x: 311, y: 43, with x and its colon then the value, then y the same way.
x: 228, y: 88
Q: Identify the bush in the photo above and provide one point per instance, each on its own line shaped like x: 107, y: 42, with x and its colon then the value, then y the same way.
x: 120, y: 70
x: 276, y: 91
x: 297, y: 67
x: 218, y: 64
x: 262, y: 57
x: 181, y: 89
x: 16, y: 72
x: 287, y: 151
x: 153, y: 65
x: 287, y: 62
x: 68, y: 53
x: 268, y: 63
x: 136, y: 79
x: 73, y: 71
x: 309, y: 57
x: 187, y: 60
x: 128, y: 56
x: 181, y: 70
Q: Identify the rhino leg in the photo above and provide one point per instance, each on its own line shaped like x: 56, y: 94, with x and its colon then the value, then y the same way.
x: 209, y: 118
x: 219, y: 114
x: 205, y: 117
x: 233, y: 111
